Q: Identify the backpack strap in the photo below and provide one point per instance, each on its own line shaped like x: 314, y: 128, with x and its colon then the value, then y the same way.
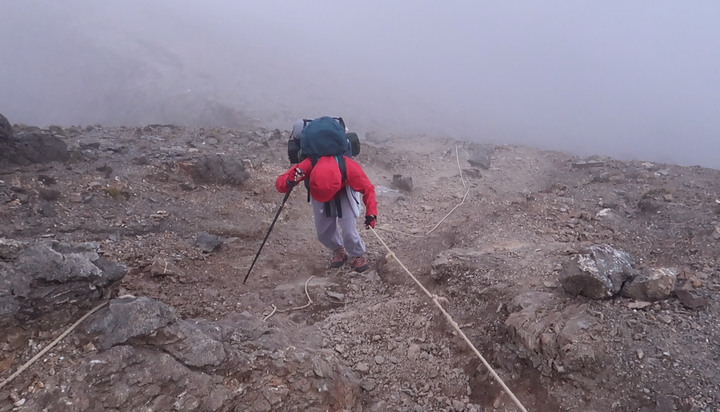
x: 340, y: 159
x: 313, y: 162
x: 343, y: 170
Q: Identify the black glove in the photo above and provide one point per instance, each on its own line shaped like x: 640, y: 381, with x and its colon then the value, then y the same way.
x: 290, y: 184
x: 370, y: 221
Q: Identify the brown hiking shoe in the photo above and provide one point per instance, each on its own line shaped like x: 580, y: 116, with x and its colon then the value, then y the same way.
x: 339, y: 258
x: 359, y: 264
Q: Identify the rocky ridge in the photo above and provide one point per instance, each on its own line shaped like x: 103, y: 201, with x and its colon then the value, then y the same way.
x: 589, y: 284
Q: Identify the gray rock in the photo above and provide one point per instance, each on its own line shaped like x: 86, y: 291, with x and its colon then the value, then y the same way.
x: 6, y: 139
x: 10, y: 248
x: 220, y: 169
x: 164, y: 267
x: 649, y: 205
x: 597, y: 274
x: 46, y: 209
x: 610, y: 219
x: 124, y: 319
x: 187, y: 343
x: 335, y: 295
x: 691, y: 300
x: 40, y: 147
x: 6, y: 131
x: 362, y: 367
x: 584, y: 164
x: 480, y: 156
x: 368, y: 384
x: 555, y: 339
x: 401, y: 182
x: 50, y: 279
x: 208, y: 242
x: 654, y: 284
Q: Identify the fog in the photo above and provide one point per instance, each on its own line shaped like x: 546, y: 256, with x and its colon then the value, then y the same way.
x: 636, y: 79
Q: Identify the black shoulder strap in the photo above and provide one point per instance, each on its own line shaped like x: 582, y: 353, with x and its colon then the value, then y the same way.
x: 343, y: 170
x: 313, y: 162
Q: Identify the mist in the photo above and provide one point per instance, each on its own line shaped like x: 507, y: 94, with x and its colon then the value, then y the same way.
x: 632, y: 80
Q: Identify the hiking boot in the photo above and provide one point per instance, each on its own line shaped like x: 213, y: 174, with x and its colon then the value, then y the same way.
x: 339, y: 258
x: 360, y: 264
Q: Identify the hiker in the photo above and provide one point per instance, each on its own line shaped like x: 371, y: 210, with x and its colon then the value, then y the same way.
x: 333, y: 195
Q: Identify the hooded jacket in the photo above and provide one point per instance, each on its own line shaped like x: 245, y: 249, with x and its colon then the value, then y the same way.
x: 356, y: 179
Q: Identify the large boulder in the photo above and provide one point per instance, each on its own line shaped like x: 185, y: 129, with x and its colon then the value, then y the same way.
x: 150, y: 359
x: 6, y: 138
x: 218, y: 169
x: 40, y: 147
x: 651, y: 285
x: 598, y: 273
x: 480, y: 155
x: 6, y: 131
x: 555, y: 338
x: 51, y: 280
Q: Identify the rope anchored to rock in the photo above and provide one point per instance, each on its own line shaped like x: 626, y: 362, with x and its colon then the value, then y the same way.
x: 50, y: 346
x: 436, y: 300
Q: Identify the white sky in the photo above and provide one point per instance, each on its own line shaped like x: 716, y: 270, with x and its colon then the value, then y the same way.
x: 630, y: 79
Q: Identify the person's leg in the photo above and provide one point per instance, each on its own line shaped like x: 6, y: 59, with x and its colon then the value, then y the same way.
x: 326, y: 227
x: 327, y: 233
x: 348, y: 224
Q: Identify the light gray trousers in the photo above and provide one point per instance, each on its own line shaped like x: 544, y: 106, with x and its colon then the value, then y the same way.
x: 327, y: 227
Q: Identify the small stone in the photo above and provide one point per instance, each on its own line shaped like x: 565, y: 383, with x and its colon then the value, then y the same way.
x: 690, y: 300
x: 75, y: 198
x: 208, y: 242
x: 413, y: 351
x: 379, y: 360
x: 335, y: 295
x: 368, y: 384
x: 362, y: 367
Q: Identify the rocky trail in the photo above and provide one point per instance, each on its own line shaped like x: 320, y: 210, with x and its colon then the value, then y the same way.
x: 589, y: 284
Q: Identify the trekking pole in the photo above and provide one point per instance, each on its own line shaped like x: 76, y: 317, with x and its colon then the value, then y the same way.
x: 292, y: 184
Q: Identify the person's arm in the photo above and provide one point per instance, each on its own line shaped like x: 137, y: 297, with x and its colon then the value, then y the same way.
x: 359, y: 182
x: 292, y: 175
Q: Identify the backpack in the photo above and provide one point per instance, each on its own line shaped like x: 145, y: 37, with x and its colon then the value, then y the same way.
x: 324, y: 140
x: 316, y: 144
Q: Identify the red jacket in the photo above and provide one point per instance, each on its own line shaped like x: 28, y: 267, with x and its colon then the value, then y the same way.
x: 356, y: 179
